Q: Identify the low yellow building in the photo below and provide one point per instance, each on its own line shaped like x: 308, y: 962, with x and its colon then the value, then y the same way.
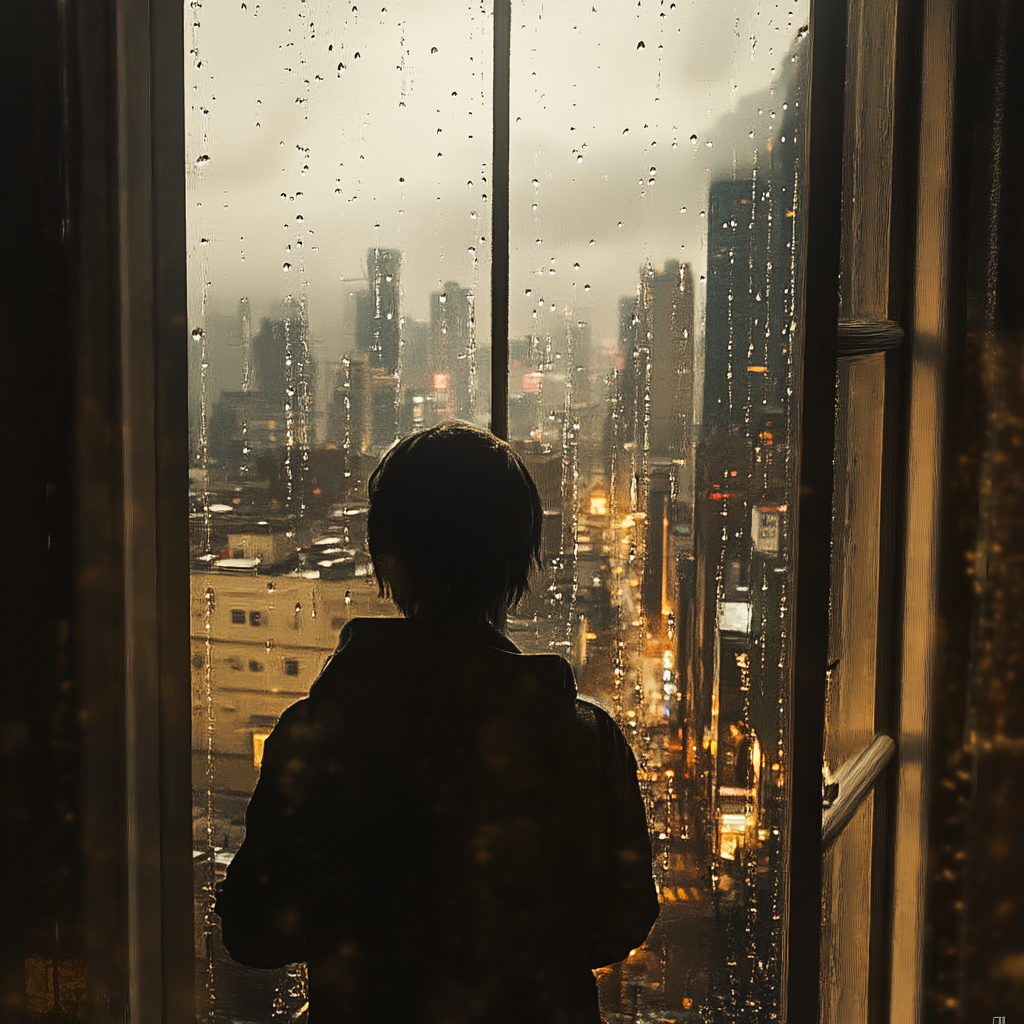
x: 258, y: 643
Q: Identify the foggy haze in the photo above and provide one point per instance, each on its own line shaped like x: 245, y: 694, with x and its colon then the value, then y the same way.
x: 318, y: 130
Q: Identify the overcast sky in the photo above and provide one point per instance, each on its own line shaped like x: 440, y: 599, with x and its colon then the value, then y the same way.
x: 317, y: 129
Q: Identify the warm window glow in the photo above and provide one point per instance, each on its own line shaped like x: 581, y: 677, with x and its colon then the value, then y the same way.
x: 258, y: 741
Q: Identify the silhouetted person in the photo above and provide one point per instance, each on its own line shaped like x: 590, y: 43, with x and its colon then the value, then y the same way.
x: 441, y: 829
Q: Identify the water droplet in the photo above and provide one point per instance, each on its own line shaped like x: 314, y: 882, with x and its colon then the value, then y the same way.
x: 286, y: 267
x: 579, y: 158
x: 586, y: 287
x: 202, y: 160
x: 802, y: 34
x: 575, y: 266
x: 593, y: 242
x: 640, y: 45
x: 433, y: 49
x: 693, y: 139
x: 197, y: 334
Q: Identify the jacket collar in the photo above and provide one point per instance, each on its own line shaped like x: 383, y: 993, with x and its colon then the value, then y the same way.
x: 393, y: 629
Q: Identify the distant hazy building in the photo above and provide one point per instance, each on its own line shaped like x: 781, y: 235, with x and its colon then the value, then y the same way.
x: 363, y: 416
x: 274, y: 407
x: 656, y: 362
x: 379, y: 309
x: 748, y: 309
x: 452, y: 355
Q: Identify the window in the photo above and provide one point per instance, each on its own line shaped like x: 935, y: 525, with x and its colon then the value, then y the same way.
x: 238, y: 616
x: 259, y: 739
x: 255, y: 666
x: 653, y: 260
x: 106, y: 216
x: 254, y: 618
x: 658, y: 342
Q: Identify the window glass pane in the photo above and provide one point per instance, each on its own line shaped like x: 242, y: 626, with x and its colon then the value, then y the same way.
x: 656, y: 229
x: 338, y: 221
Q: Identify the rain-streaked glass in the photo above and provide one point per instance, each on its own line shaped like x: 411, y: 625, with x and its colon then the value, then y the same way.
x: 338, y: 165
x: 656, y: 178
x: 338, y: 273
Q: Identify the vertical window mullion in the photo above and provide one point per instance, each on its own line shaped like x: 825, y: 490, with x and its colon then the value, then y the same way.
x: 499, y: 218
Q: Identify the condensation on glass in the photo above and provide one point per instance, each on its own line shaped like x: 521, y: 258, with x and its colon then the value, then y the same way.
x: 338, y: 222
x: 338, y: 270
x: 655, y: 168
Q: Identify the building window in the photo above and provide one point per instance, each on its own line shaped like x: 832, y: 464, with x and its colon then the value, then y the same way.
x: 259, y: 740
x: 291, y: 667
x: 237, y: 616
x: 255, y: 666
x: 254, y: 618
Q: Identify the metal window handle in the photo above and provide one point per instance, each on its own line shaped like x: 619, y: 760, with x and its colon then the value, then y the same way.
x: 853, y: 782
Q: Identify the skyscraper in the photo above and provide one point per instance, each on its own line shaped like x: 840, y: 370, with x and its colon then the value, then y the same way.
x: 656, y: 352
x: 452, y: 351
x: 379, y: 311
x: 749, y: 301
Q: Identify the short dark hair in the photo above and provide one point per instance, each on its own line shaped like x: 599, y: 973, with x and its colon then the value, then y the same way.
x: 454, y: 524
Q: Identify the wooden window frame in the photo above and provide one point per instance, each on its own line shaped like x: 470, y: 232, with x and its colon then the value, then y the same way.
x: 130, y: 152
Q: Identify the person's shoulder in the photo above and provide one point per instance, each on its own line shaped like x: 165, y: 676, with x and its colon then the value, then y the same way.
x: 597, y: 721
x: 362, y: 640
x: 592, y: 711
x: 300, y: 721
x: 552, y: 669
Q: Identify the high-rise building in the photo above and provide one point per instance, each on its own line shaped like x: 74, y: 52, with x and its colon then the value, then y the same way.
x: 452, y: 358
x: 379, y: 309
x: 749, y: 304
x: 656, y: 362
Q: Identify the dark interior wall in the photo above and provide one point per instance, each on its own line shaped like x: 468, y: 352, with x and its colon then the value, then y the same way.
x: 976, y: 898
x: 40, y: 877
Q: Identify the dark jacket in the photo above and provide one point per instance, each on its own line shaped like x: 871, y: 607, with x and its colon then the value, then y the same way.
x: 444, y: 833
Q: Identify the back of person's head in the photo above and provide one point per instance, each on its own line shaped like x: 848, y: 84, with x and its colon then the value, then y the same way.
x: 454, y: 524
